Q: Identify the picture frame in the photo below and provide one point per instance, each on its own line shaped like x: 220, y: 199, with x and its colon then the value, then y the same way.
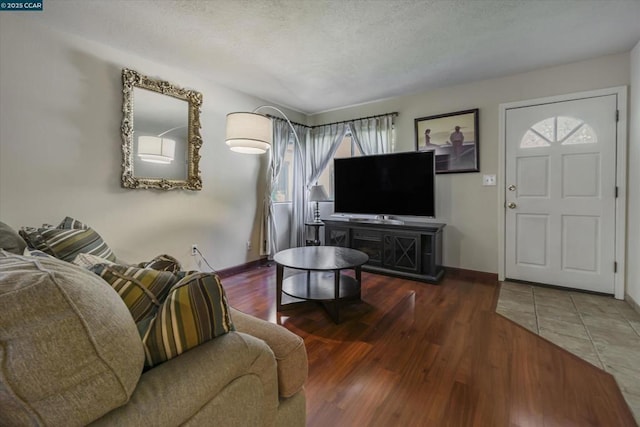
x: 457, y: 156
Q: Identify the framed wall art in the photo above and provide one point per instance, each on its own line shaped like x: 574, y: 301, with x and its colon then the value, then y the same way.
x: 455, y: 139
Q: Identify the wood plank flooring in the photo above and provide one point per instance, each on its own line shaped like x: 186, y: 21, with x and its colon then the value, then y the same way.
x: 416, y: 354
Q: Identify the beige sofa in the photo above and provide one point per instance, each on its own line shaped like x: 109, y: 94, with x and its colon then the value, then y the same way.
x: 70, y: 354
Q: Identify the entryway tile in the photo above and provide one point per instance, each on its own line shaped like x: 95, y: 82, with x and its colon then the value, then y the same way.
x: 581, y: 347
x: 636, y: 326
x: 526, y: 320
x: 572, y: 329
x: 556, y: 313
x: 511, y: 296
x: 622, y: 356
x: 562, y: 302
x: 516, y: 287
x: 593, y: 304
x: 627, y: 378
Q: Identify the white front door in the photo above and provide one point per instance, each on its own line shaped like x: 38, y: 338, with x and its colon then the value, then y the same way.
x: 560, y: 179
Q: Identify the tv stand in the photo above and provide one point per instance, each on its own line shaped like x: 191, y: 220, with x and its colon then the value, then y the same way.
x: 412, y: 250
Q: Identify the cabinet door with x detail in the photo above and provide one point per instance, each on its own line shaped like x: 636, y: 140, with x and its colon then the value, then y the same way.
x: 402, y: 252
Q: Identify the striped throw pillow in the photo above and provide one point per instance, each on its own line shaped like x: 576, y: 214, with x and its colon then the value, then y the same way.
x: 66, y: 244
x: 71, y: 223
x: 142, y: 290
x: 163, y: 263
x: 194, y: 312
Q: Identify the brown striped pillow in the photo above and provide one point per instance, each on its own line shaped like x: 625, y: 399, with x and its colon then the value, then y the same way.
x: 194, y: 312
x: 163, y: 263
x: 142, y: 290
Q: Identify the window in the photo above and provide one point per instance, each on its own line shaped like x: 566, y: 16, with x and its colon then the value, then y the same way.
x: 347, y: 148
x: 283, y: 189
x: 565, y: 130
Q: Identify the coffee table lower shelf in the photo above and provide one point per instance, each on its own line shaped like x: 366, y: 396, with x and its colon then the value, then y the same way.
x: 319, y: 287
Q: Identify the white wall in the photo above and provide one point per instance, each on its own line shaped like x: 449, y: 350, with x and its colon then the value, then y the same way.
x: 60, y: 115
x: 633, y: 196
x: 469, y: 209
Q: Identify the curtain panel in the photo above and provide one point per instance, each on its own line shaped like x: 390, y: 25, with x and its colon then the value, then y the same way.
x: 283, y: 135
x: 299, y: 196
x: 268, y: 230
x: 325, y: 140
x: 373, y: 135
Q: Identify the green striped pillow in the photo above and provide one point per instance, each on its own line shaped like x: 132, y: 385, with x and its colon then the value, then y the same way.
x: 194, y: 312
x: 66, y: 244
x: 142, y: 290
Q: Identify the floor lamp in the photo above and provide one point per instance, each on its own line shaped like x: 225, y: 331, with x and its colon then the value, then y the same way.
x: 252, y: 133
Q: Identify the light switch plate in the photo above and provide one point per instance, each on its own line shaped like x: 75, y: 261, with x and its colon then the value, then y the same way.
x: 489, y: 180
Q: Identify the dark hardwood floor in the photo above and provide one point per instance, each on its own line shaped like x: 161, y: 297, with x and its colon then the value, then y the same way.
x: 416, y: 354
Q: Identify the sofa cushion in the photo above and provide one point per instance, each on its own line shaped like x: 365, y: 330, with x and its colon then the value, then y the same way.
x: 195, y: 311
x: 67, y: 243
x: 141, y: 289
x: 37, y: 253
x: 10, y: 240
x: 69, y: 350
x: 288, y: 348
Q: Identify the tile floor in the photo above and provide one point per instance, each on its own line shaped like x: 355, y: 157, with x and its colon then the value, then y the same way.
x: 599, y: 329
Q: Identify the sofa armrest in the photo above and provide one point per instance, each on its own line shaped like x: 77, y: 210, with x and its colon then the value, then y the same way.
x: 229, y: 380
x: 288, y: 348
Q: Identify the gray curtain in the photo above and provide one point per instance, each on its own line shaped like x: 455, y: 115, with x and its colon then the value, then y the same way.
x: 268, y: 231
x: 324, y: 142
x: 299, y: 195
x: 373, y: 135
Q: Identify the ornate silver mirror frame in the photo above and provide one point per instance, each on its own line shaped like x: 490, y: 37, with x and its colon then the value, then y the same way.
x: 133, y: 173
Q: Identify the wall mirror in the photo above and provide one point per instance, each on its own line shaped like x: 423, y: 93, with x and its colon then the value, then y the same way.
x: 160, y: 134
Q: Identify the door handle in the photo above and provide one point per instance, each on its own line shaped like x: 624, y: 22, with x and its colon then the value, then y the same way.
x: 511, y: 205
x: 511, y: 187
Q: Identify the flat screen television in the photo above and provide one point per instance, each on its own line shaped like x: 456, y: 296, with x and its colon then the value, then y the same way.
x: 386, y: 184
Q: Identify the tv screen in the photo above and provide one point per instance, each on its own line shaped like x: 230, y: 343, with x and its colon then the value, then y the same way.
x: 386, y: 184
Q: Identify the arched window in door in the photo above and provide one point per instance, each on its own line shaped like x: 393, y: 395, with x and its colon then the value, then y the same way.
x: 559, y: 129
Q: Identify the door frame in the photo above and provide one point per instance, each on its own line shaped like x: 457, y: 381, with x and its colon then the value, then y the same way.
x: 621, y: 175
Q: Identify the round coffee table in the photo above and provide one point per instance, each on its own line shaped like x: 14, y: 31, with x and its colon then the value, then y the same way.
x: 318, y: 284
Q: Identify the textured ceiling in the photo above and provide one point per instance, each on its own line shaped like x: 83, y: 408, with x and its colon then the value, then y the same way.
x: 317, y: 55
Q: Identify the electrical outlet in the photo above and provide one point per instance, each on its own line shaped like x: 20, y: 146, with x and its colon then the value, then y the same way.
x: 194, y: 250
x: 489, y: 180
x: 248, y: 245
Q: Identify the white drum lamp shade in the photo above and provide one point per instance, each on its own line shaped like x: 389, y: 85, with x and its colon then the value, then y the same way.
x: 249, y: 133
x: 156, y: 150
